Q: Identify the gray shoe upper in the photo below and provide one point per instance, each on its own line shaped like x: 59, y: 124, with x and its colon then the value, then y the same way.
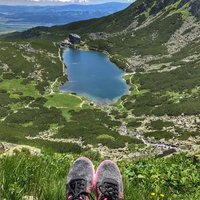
x: 108, y: 176
x: 82, y: 169
x: 108, y: 170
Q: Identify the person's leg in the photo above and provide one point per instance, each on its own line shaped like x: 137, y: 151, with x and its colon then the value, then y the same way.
x: 108, y: 184
x: 80, y: 180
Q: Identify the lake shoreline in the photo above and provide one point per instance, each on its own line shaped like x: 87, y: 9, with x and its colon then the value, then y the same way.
x: 94, y: 98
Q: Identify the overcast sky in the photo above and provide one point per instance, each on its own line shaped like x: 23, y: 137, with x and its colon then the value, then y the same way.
x: 43, y: 2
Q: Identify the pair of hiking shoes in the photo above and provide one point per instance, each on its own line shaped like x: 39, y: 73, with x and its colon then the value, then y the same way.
x: 82, y: 179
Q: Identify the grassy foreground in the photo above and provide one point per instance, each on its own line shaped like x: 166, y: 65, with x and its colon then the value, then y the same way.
x: 177, y: 177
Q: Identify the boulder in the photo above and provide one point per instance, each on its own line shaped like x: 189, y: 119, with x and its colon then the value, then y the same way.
x: 74, y: 38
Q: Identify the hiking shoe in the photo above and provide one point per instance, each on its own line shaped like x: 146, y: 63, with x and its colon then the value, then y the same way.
x: 80, y: 180
x: 108, y: 183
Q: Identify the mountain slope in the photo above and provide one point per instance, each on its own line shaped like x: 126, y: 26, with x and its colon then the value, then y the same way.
x: 144, y: 28
x: 156, y: 42
x: 140, y: 11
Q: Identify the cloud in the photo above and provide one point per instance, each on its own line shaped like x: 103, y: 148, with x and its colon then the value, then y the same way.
x: 61, y: 1
x: 42, y: 2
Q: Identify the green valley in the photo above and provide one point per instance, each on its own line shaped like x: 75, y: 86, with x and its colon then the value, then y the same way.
x: 157, y: 44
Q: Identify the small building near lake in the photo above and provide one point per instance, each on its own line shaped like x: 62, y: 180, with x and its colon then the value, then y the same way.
x: 74, y: 38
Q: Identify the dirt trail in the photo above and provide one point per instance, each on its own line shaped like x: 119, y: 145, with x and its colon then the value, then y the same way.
x: 61, y: 60
x: 52, y: 86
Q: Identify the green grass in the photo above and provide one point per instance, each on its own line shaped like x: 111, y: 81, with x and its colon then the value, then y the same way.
x: 64, y: 100
x: 44, y: 177
x: 15, y: 85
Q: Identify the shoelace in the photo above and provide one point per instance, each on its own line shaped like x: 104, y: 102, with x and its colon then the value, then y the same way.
x: 109, y: 191
x: 77, y: 190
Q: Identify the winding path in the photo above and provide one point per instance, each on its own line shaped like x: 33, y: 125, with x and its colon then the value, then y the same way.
x: 78, y: 97
x: 52, y: 86
x: 61, y: 60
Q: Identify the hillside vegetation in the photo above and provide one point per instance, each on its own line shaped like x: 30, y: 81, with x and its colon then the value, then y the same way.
x: 157, y: 44
x: 44, y: 177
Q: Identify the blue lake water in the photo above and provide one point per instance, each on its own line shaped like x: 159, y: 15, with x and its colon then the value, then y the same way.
x: 92, y: 75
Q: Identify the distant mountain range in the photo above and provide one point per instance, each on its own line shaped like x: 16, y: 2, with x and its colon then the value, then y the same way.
x: 58, y: 2
x: 19, y: 18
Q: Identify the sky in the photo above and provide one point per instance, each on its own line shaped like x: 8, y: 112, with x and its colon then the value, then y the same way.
x: 50, y: 2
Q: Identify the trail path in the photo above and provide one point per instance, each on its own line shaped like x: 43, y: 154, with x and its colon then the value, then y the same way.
x: 61, y: 60
x: 52, y: 86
